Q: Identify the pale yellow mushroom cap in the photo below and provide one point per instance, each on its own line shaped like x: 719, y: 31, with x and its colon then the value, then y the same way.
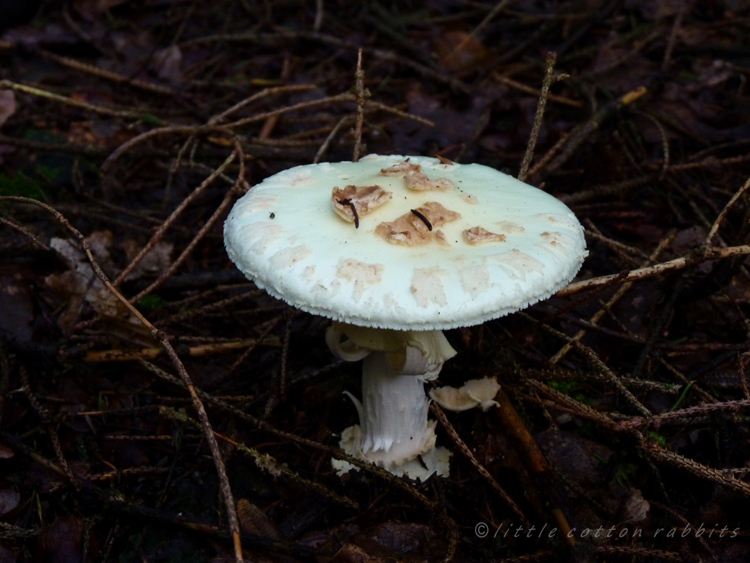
x: 504, y: 246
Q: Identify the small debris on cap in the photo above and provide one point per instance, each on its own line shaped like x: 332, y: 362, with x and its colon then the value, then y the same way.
x: 411, y: 229
x: 444, y: 160
x: 401, y: 169
x: 421, y: 182
x: 478, y: 235
x: 356, y: 201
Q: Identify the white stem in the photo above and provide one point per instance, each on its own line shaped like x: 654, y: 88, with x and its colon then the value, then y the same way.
x: 394, y: 429
x: 393, y: 415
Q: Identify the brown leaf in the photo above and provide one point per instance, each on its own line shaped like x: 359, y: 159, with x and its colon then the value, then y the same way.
x: 633, y: 508
x: 8, y: 105
x: 80, y: 283
x: 16, y: 305
x: 401, y: 537
x: 90, y: 10
x: 60, y: 542
x: 6, y: 555
x: 351, y: 553
x: 156, y: 261
x: 168, y: 64
x: 254, y: 521
x: 658, y: 9
x: 462, y: 53
x: 9, y: 499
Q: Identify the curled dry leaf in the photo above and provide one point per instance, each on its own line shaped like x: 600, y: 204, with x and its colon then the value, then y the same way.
x: 633, y: 508
x: 353, y: 202
x: 474, y: 393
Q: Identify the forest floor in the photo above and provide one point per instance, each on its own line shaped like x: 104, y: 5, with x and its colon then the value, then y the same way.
x: 155, y: 405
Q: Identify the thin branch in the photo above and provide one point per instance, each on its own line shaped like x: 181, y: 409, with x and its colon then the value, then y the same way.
x: 551, y: 58
x: 94, y: 108
x: 715, y: 227
x: 700, y: 255
x: 159, y: 234
x: 464, y: 449
x: 360, y: 91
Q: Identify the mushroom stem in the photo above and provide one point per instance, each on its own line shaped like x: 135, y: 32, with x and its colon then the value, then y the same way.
x: 393, y: 414
x: 394, y: 429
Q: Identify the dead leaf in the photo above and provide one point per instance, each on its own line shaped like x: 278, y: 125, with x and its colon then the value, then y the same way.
x: 633, y: 508
x: 6, y: 555
x: 620, y: 69
x: 351, y: 553
x: 16, y: 306
x: 462, y: 53
x: 401, y: 537
x: 452, y: 127
x: 62, y: 542
x: 254, y: 521
x: 156, y: 261
x: 9, y: 499
x: 90, y: 10
x: 658, y: 9
x: 7, y: 105
x: 168, y: 64
x: 80, y: 284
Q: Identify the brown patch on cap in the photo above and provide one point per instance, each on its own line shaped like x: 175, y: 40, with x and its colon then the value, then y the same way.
x: 470, y: 199
x: 411, y: 230
x: 510, y: 227
x: 401, y: 169
x: 420, y: 182
x: 440, y: 237
x: 478, y: 235
x: 427, y: 286
x: 361, y: 273
x: 553, y: 238
x: 362, y: 199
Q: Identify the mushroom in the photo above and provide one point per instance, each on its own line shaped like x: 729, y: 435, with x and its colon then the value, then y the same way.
x: 453, y: 247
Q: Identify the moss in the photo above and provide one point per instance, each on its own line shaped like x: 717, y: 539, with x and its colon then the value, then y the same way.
x: 19, y: 185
